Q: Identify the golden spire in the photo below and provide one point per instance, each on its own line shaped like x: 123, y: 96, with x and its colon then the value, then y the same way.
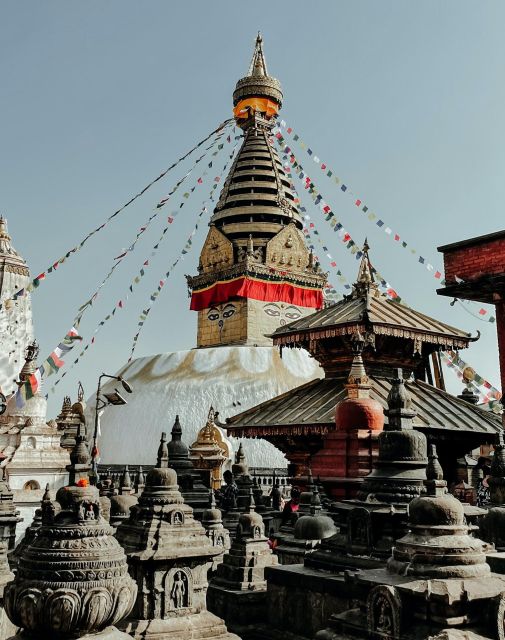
x: 258, y: 66
x: 257, y: 94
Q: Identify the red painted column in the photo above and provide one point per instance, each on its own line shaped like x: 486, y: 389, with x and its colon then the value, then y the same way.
x: 500, y: 328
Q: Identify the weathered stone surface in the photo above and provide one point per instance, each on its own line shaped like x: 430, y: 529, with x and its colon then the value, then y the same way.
x: 169, y: 555
x: 73, y: 577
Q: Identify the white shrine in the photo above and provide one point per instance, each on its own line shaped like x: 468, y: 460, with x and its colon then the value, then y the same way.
x: 31, y: 455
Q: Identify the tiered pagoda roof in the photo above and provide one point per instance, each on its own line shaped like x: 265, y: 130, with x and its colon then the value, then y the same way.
x: 392, y: 335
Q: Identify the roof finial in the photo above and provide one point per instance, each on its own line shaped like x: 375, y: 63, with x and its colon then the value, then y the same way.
x: 365, y: 281
x: 258, y: 66
x: 162, y: 461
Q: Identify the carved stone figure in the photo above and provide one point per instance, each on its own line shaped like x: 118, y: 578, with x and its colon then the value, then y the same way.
x: 179, y: 591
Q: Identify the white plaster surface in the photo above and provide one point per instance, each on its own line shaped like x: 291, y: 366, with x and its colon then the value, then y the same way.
x: 231, y: 379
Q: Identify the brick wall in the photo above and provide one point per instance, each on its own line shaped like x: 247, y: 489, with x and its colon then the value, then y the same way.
x: 473, y: 261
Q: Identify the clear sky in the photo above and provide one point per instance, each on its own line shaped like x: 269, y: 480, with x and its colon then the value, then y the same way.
x: 403, y: 99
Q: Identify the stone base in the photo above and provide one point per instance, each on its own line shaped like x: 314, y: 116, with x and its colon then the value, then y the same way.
x: 239, y: 609
x: 111, y: 633
x: 301, y: 600
x: 190, y: 627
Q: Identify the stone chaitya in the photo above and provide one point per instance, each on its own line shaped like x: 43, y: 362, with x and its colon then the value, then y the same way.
x: 238, y: 591
x: 72, y: 579
x: 437, y: 580
x: 378, y: 515
x: 194, y: 492
x: 122, y: 502
x: 70, y: 417
x: 168, y: 555
x: 493, y: 524
x: 217, y: 533
x: 244, y: 482
x: 307, y: 533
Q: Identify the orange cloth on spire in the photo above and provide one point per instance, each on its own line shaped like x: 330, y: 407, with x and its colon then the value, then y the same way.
x: 264, y: 105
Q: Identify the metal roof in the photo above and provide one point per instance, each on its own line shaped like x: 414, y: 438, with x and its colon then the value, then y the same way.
x: 313, y: 404
x: 377, y: 309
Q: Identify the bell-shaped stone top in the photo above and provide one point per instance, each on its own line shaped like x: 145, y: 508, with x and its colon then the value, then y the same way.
x: 212, y: 516
x: 240, y: 467
x: 438, y: 544
x: 250, y: 524
x: 176, y: 447
x: 73, y: 534
x: 314, y: 526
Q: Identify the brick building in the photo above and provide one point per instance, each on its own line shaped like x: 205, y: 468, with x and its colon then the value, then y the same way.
x: 475, y: 270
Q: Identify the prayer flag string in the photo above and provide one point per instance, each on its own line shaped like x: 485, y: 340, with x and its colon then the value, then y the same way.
x: 122, y: 302
x: 484, y: 314
x: 452, y: 359
x: 187, y: 247
x: 51, y: 364
x: 329, y: 215
x: 118, y: 259
x: 35, y: 283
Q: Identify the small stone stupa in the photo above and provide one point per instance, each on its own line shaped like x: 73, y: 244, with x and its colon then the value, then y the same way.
x: 436, y: 581
x: 238, y: 592
x: 168, y: 555
x: 308, y: 532
x: 121, y: 504
x: 217, y: 533
x: 72, y: 580
x: 70, y: 417
x: 194, y: 492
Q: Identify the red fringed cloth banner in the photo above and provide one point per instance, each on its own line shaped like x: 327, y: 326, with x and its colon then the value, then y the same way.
x: 247, y: 287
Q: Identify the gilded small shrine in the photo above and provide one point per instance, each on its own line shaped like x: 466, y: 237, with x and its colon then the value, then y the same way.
x: 207, y: 453
x: 255, y: 272
x: 169, y: 555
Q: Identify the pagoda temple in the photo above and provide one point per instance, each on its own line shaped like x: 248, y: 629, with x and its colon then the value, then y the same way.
x: 304, y: 422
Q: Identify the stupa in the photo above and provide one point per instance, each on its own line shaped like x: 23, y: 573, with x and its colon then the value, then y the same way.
x: 217, y: 533
x: 255, y: 275
x: 32, y: 455
x: 16, y: 325
x: 194, y: 492
x: 238, y: 591
x: 70, y: 417
x: 436, y: 581
x: 121, y: 503
x: 72, y: 579
x: 168, y: 555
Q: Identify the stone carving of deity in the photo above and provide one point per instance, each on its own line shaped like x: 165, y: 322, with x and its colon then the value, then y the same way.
x: 179, y: 590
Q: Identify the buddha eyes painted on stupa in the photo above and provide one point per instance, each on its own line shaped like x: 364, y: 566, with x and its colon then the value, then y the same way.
x: 221, y: 312
x: 285, y: 313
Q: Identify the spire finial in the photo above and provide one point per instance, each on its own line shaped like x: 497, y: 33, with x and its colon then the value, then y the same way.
x: 177, y: 429
x: 258, y: 66
x: 365, y: 282
x: 252, y: 503
x: 162, y: 461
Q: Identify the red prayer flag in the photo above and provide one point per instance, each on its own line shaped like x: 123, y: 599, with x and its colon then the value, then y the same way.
x: 482, y: 312
x: 289, y: 130
x: 357, y: 203
x: 323, y: 166
x: 397, y: 237
x: 437, y: 274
